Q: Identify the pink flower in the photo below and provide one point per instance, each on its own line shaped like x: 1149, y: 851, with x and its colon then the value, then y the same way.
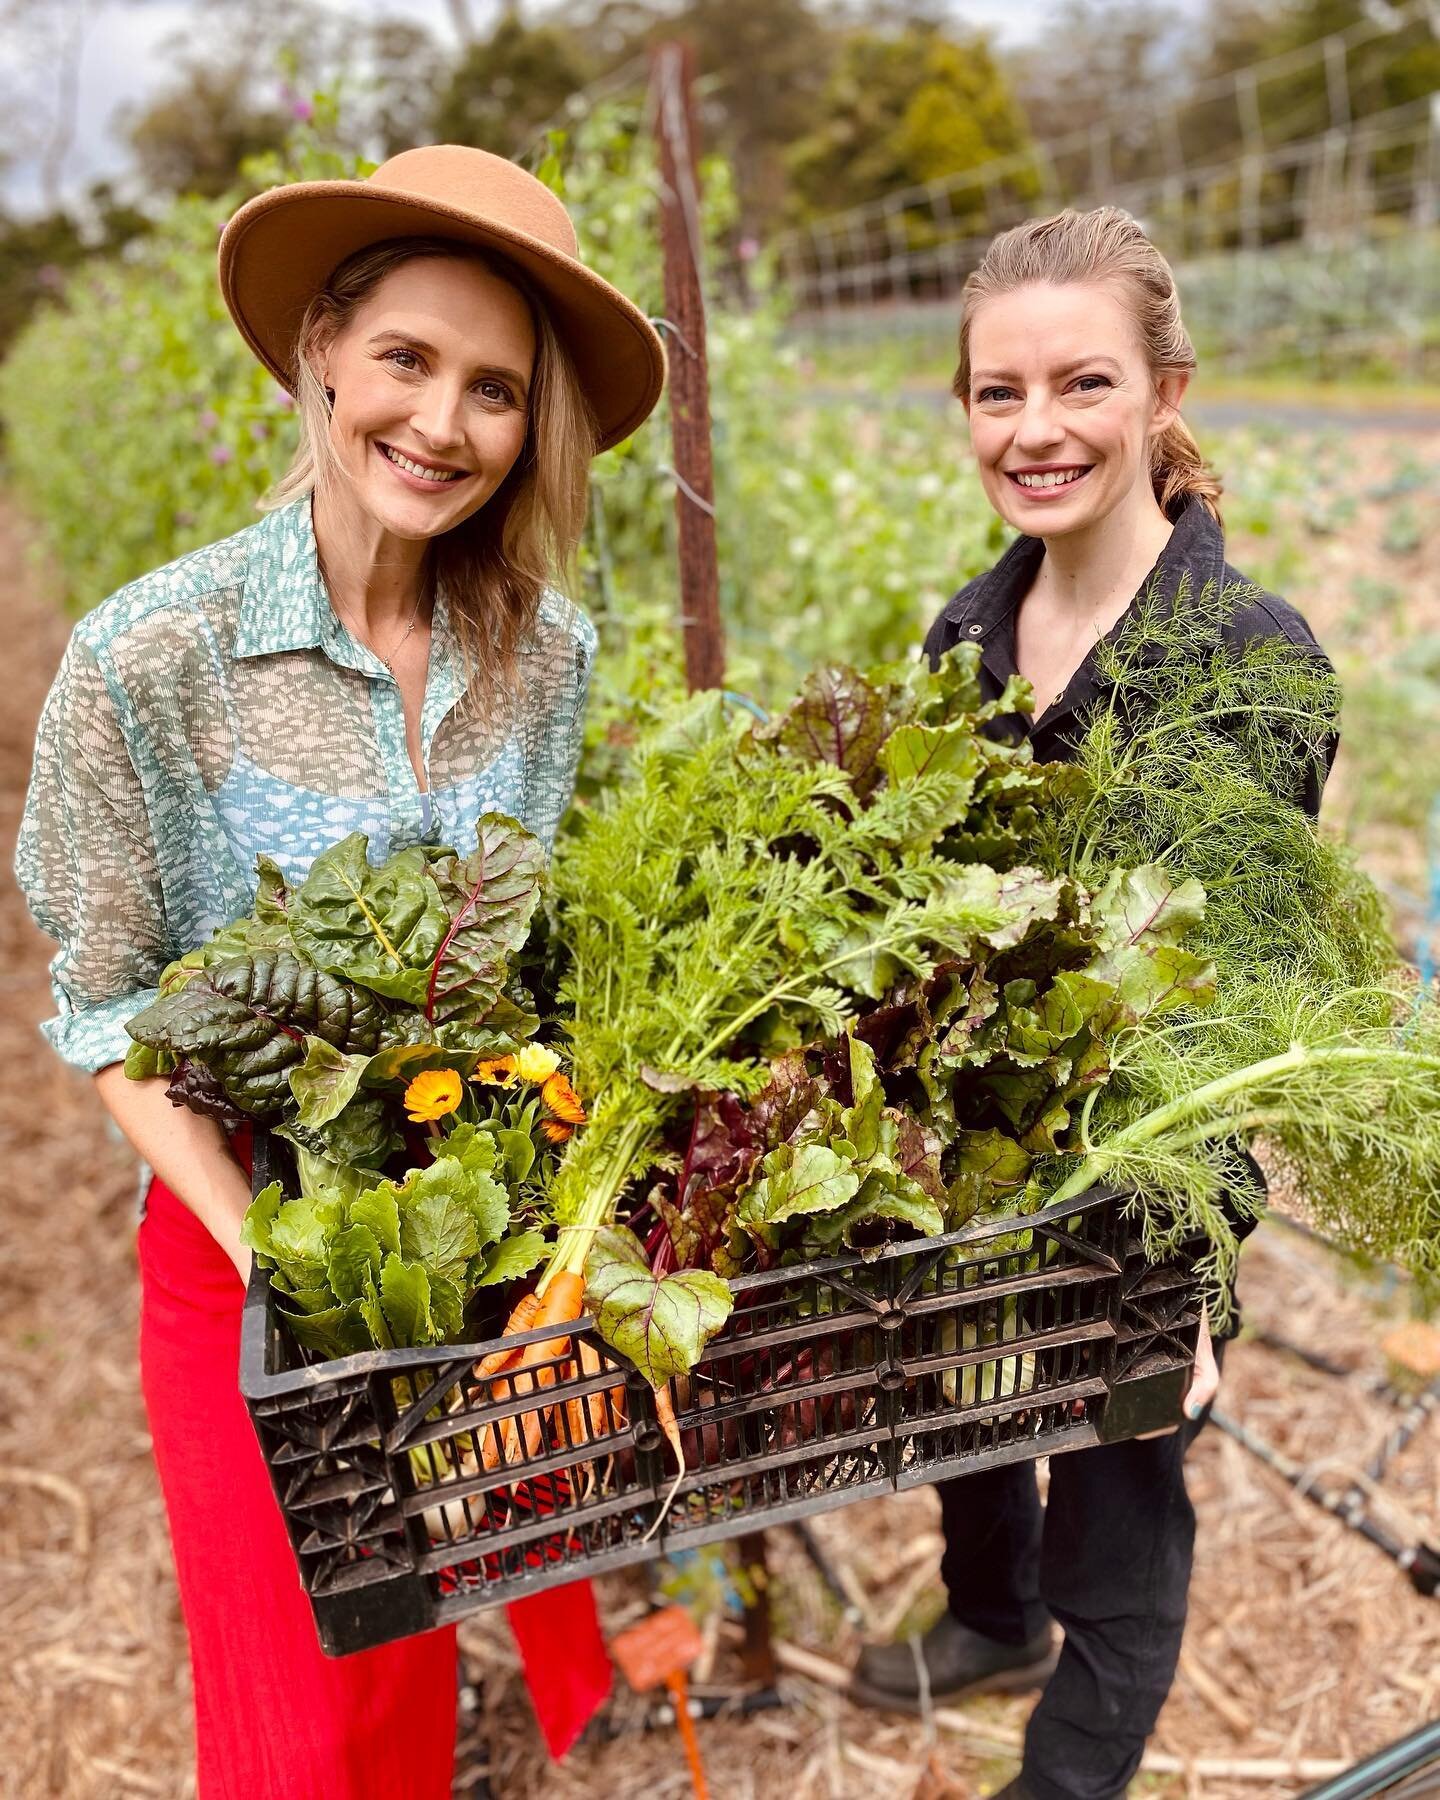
x: 748, y: 248
x: 220, y: 454
x: 283, y: 396
x: 259, y: 430
x: 302, y: 110
x: 208, y: 419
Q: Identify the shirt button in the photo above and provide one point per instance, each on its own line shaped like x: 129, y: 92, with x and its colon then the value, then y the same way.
x: 975, y: 630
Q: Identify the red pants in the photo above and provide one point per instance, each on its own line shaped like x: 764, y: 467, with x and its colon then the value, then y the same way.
x: 275, y: 1719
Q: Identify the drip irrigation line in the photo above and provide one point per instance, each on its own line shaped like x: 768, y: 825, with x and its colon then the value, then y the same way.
x: 1416, y: 1755
x: 1419, y: 1561
x: 739, y: 1704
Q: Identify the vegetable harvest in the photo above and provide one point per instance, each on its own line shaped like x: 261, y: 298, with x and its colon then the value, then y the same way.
x: 858, y: 974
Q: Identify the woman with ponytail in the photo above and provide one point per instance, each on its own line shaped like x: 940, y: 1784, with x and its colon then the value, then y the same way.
x: 1073, y: 365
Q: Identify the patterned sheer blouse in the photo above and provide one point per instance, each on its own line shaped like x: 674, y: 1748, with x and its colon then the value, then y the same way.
x: 219, y: 708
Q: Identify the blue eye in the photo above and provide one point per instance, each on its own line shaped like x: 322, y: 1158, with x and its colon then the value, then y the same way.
x: 1100, y: 378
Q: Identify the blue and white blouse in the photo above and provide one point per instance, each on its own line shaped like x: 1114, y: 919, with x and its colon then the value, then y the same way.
x: 217, y: 709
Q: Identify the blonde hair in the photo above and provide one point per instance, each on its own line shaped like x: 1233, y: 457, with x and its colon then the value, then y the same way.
x: 1104, y: 245
x: 495, y: 566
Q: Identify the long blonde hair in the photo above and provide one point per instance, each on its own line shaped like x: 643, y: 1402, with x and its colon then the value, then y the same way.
x: 1104, y: 245
x: 493, y: 568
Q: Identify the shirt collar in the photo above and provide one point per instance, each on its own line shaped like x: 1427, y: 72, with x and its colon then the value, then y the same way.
x: 1195, y: 547
x: 286, y: 606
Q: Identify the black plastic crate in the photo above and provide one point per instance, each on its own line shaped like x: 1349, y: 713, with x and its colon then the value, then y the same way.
x: 832, y: 1382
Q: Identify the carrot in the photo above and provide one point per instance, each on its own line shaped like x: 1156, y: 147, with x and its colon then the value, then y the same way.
x: 665, y: 1418
x: 564, y: 1301
x: 521, y: 1319
x: 607, y: 1409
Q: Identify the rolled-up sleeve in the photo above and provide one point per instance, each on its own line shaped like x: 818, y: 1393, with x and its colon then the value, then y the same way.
x: 86, y: 862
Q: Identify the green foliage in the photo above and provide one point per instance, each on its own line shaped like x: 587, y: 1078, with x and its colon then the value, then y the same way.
x: 136, y: 392
x: 192, y: 137
x: 359, y: 979
x: 504, y: 88
x: 899, y: 109
x: 396, y: 1263
x: 661, y: 1323
x: 734, y: 899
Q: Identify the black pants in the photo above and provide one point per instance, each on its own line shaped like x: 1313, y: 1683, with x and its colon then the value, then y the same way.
x: 1109, y: 1560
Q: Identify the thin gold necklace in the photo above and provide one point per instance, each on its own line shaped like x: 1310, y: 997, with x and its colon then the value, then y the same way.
x: 389, y: 661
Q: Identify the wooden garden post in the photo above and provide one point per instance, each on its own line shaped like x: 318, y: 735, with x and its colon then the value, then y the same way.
x: 682, y: 242
x: 677, y: 139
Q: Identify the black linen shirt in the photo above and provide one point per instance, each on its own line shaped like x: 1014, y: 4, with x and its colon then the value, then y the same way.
x: 984, y: 613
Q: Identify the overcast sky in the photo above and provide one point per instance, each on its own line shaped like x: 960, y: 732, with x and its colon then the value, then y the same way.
x: 124, y: 61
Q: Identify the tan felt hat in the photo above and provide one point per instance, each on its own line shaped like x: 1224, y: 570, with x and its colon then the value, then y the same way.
x: 279, y: 249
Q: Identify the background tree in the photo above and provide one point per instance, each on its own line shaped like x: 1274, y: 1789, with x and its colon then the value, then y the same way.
x: 394, y: 105
x: 192, y: 139
x: 900, y: 108
x: 505, y: 88
x: 37, y: 254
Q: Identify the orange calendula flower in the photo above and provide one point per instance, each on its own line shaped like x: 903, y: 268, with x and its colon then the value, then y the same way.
x: 555, y: 1131
x: 562, y: 1100
x: 499, y: 1071
x: 432, y: 1094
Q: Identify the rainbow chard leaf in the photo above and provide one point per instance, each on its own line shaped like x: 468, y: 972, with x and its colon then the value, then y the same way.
x: 490, y: 897
x: 799, y: 1180
x: 249, y: 1022
x: 378, y: 927
x: 325, y: 1083
x: 660, y: 1323
x: 838, y: 717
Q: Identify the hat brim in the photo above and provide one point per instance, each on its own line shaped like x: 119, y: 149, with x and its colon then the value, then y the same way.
x: 279, y: 249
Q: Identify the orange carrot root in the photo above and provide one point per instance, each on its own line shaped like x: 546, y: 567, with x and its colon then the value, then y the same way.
x: 665, y: 1418
x: 564, y: 1301
x: 521, y: 1319
x: 607, y: 1409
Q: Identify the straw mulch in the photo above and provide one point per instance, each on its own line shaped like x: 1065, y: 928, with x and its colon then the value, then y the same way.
x: 1306, y: 1647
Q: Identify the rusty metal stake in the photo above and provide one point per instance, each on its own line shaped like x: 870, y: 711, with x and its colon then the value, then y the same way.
x: 689, y: 382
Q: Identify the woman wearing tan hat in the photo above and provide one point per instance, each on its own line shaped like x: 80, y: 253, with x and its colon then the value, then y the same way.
x: 386, y: 651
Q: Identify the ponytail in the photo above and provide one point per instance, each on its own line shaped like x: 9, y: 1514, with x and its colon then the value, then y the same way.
x: 1178, y: 470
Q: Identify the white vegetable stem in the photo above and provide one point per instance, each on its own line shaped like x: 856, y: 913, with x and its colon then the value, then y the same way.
x: 1190, y: 1110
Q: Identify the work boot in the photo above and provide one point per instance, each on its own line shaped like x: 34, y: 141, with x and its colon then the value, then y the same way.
x: 957, y: 1661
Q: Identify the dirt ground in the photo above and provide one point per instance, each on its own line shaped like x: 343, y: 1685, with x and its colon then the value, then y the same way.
x: 1306, y: 1647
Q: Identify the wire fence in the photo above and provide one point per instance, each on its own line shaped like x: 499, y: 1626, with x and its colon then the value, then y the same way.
x: 1305, y: 217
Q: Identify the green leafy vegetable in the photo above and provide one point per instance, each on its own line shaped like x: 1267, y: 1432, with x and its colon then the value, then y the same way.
x: 660, y: 1323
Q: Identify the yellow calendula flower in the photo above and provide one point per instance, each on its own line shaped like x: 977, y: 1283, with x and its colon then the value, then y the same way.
x: 498, y: 1071
x: 535, y: 1062
x: 432, y: 1094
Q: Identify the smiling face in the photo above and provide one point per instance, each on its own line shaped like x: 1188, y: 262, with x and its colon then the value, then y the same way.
x: 432, y: 377
x: 1062, y: 406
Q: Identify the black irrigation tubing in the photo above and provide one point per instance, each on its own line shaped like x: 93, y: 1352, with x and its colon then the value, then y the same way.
x: 660, y: 1715
x: 1390, y: 1771
x: 1419, y: 1561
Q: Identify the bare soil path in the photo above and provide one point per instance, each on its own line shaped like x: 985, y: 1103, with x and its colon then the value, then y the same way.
x: 1304, y: 1644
